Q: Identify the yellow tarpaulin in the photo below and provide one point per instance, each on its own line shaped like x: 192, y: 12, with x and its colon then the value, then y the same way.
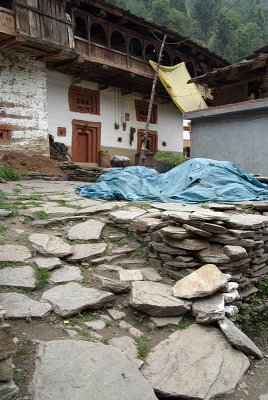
x: 185, y: 96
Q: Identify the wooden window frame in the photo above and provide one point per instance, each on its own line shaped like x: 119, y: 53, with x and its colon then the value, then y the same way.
x: 141, y: 108
x: 151, y: 135
x: 5, y: 129
x: 93, y: 97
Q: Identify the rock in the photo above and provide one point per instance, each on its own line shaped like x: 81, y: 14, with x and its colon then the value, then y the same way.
x: 235, y: 252
x: 112, y: 285
x: 150, y: 274
x: 70, y: 332
x: 5, y: 213
x: 164, y: 248
x: 201, y: 352
x: 96, y: 325
x: 206, y: 215
x: 18, y: 305
x: 231, y: 296
x: 124, y: 249
x: 108, y: 268
x: 128, y: 347
x: 165, y: 321
x: 7, y: 346
x: 115, y: 314
x: 9, y: 252
x: 8, y: 390
x: 230, y: 287
x: 201, y: 283
x: 127, y: 275
x: 50, y: 245
x: 188, y: 244
x: 71, y: 369
x: 156, y: 299
x: 6, y: 370
x: 209, y: 309
x: 72, y: 298
x: 176, y: 216
x: 247, y: 221
x: 197, y: 231
x: 144, y: 224
x: 89, y: 230
x: 238, y: 339
x: 20, y: 277
x: 68, y: 273
x: 213, y: 228
x: 47, y: 262
x: 133, y: 331
x: 214, y: 254
x: 176, y: 232
x: 125, y: 216
x: 82, y: 251
x: 231, y: 311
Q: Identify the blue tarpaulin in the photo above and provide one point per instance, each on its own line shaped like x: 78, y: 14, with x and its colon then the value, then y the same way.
x: 198, y: 180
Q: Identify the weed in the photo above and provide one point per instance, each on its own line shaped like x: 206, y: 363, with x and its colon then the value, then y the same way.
x: 53, y: 319
x: 3, y: 229
x: 16, y: 290
x: 120, y: 242
x: 142, y: 251
x: 105, y: 340
x: 85, y: 274
x: 5, y: 205
x: 85, y: 335
x: 106, y: 240
x: 143, y: 206
x: 41, y: 214
x: 16, y: 190
x: 204, y: 205
x: 80, y: 318
x: 131, y: 232
x: 142, y: 346
x: 162, y: 272
x: 248, y: 209
x: 183, y: 324
x: 9, y: 174
x: 79, y: 241
x: 263, y: 287
x: 123, y: 265
x: 250, y: 319
x: 23, y: 349
x: 12, y: 264
x: 16, y: 376
x: 42, y: 276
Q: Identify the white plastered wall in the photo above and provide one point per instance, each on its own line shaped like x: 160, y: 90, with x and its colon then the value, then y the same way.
x: 113, y: 107
x: 23, y: 102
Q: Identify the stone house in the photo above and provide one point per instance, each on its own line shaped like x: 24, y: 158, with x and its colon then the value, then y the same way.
x: 79, y: 70
x: 236, y: 127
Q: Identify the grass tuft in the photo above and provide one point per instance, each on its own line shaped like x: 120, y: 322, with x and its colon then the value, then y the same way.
x: 142, y: 346
x: 41, y: 214
x: 42, y: 276
x: 9, y: 174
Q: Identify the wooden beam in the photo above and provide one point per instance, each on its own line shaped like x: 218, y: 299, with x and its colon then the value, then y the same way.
x: 103, y: 87
x: 124, y: 92
x: 11, y: 43
x: 66, y: 63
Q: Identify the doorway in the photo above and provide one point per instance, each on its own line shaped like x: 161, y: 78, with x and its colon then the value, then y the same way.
x: 86, y: 141
x: 151, y: 142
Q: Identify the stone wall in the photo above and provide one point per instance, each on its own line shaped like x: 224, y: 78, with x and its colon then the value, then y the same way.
x: 182, y: 241
x: 7, y: 347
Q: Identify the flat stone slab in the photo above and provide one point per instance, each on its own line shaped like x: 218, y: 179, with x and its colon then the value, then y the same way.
x: 68, y: 273
x: 214, y: 254
x: 97, y: 325
x: 235, y: 252
x: 209, y: 309
x: 150, y: 274
x: 156, y: 299
x: 128, y: 275
x: 50, y: 245
x: 165, y: 321
x: 5, y: 213
x: 189, y: 244
x: 238, y: 339
x: 82, y: 251
x: 71, y: 298
x: 20, y: 277
x: 126, y: 216
x: 9, y: 252
x: 19, y: 305
x: 89, y: 230
x: 128, y: 347
x: 116, y: 314
x: 195, y: 363
x: 201, y: 283
x: 197, y: 231
x: 247, y: 221
x: 47, y: 262
x: 73, y: 369
x: 8, y: 390
x: 112, y: 285
x: 176, y: 232
x: 144, y: 224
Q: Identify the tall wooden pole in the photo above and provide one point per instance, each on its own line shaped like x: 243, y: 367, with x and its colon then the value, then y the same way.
x: 145, y: 134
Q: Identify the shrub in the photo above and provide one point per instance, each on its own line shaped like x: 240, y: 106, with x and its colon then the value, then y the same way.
x: 169, y: 158
x: 9, y: 174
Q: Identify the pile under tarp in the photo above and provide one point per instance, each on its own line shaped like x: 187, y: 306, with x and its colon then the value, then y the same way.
x: 185, y: 95
x: 198, y: 180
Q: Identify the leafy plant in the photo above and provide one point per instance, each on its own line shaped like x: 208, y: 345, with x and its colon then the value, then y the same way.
x: 41, y: 214
x: 263, y: 287
x: 142, y: 346
x: 9, y: 174
x: 169, y: 157
x: 3, y: 229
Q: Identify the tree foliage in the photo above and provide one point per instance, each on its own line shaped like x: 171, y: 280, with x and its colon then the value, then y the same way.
x: 230, y: 32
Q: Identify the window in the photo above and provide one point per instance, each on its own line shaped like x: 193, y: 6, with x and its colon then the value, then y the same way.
x: 4, y: 135
x: 118, y: 42
x: 81, y: 28
x: 142, y: 111
x: 98, y: 35
x: 150, y: 53
x: 135, y: 48
x: 84, y: 100
x: 151, y: 144
x: 166, y: 60
x: 6, y: 4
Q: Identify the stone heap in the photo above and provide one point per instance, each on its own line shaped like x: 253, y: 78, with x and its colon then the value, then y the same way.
x: 236, y: 243
x: 75, y: 172
x: 7, y: 347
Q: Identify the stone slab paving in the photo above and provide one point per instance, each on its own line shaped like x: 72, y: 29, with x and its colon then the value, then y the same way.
x: 89, y: 230
x: 77, y: 367
x: 19, y: 305
x: 83, y: 251
x: 50, y: 245
x: 126, y: 216
x: 68, y: 273
x: 128, y: 347
x: 128, y: 275
x: 195, y: 363
x: 112, y: 285
x: 20, y: 277
x: 47, y: 262
x: 71, y: 298
x: 10, y: 252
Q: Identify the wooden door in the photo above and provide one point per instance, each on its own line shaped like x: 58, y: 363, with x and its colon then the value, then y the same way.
x: 151, y: 142
x: 86, y: 141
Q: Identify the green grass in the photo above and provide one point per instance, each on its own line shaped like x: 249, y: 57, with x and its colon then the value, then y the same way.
x: 263, y: 287
x: 78, y: 241
x: 16, y: 190
x: 9, y: 174
x: 169, y: 157
x: 12, y: 264
x: 142, y: 346
x: 80, y: 318
x: 250, y: 319
x: 17, y: 378
x: 123, y: 265
x: 23, y: 349
x: 41, y: 214
x: 3, y: 229
x: 247, y: 208
x: 141, y: 252
x: 4, y: 204
x: 42, y: 276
